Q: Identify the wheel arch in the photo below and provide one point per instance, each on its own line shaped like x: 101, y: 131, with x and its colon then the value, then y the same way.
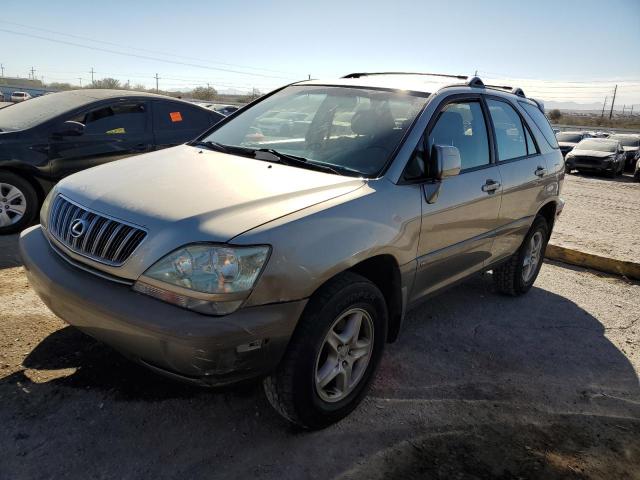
x: 548, y: 211
x: 37, y: 187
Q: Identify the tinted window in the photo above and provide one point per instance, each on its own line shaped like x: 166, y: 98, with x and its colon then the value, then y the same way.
x: 462, y: 125
x: 569, y: 137
x: 174, y: 116
x: 626, y: 141
x: 510, y: 137
x: 116, y: 119
x: 541, y: 121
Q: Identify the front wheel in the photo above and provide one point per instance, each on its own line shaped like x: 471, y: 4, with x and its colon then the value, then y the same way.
x: 333, y: 354
x: 517, y: 275
x: 18, y: 203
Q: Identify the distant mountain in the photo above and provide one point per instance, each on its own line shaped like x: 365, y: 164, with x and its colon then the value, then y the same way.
x: 573, y: 106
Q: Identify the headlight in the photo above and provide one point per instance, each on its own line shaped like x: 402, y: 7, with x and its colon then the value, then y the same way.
x: 44, y: 211
x: 212, y: 279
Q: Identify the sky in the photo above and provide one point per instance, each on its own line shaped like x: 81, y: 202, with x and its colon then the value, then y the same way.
x: 556, y: 50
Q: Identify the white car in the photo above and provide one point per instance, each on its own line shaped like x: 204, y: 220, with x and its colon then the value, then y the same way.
x: 20, y: 97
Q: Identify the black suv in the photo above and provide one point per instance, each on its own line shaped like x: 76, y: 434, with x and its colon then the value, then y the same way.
x: 50, y: 137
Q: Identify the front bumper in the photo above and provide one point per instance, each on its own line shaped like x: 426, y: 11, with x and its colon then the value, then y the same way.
x: 174, y: 341
x: 589, y: 164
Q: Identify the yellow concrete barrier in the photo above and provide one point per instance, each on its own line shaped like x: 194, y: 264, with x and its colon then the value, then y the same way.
x: 596, y: 262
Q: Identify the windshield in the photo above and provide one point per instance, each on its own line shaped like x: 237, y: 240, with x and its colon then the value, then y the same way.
x: 627, y: 141
x: 598, y: 146
x: 353, y: 129
x: 28, y: 114
x: 569, y: 137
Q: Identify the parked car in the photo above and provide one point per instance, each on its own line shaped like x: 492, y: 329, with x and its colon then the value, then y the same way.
x: 50, y: 137
x: 636, y: 173
x: 296, y: 258
x: 17, y: 97
x: 568, y: 140
x: 1, y: 97
x: 226, y: 109
x: 631, y: 146
x: 596, y: 154
x: 602, y: 135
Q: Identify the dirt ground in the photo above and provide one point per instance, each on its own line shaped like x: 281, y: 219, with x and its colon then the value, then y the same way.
x: 601, y: 216
x: 479, y: 385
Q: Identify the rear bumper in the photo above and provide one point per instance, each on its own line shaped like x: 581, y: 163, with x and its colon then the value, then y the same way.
x: 171, y: 340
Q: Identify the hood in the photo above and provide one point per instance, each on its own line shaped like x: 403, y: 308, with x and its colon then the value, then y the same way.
x: 567, y: 144
x: 186, y: 195
x: 591, y: 153
x: 213, y: 196
x: 631, y: 149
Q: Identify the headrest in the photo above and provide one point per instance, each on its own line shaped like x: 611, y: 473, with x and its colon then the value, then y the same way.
x: 371, y: 122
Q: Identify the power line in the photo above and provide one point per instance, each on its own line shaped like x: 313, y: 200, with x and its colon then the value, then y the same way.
x: 80, y: 37
x: 134, y: 55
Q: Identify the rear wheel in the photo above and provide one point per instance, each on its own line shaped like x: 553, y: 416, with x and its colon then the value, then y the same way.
x: 517, y: 275
x: 333, y: 354
x: 18, y: 203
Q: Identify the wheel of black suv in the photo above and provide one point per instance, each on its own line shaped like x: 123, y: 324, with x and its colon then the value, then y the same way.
x: 18, y: 203
x: 518, y: 274
x: 332, y: 355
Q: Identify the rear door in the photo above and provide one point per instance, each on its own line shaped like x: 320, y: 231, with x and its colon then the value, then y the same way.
x: 112, y: 131
x: 456, y: 232
x: 175, y: 123
x: 524, y: 174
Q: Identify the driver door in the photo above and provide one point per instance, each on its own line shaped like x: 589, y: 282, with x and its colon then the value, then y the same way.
x: 111, y: 131
x: 456, y: 234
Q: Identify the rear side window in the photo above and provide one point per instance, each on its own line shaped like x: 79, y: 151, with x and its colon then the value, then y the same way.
x: 174, y: 116
x: 462, y: 125
x: 510, y: 137
x: 541, y: 121
x: 118, y: 119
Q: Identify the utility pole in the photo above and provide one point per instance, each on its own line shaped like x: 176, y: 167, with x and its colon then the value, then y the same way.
x: 613, y: 101
x: 623, y: 107
x: 2, y: 69
x: 604, y: 105
x: 33, y: 73
x: 80, y: 80
x: 157, y: 78
x: 92, y: 72
x: 631, y: 114
x: 309, y: 76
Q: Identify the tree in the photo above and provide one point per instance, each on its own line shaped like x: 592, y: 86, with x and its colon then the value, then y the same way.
x: 555, y: 115
x: 62, y: 86
x: 106, y: 83
x: 204, y: 93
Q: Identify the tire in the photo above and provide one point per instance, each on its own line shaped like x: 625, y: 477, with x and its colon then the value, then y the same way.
x: 18, y: 203
x: 509, y: 277
x: 567, y: 169
x: 292, y: 389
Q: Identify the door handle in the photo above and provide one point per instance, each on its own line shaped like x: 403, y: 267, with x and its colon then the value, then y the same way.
x: 490, y: 186
x: 540, y: 171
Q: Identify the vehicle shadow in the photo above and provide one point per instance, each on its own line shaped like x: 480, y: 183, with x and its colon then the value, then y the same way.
x: 9, y: 252
x: 467, y: 361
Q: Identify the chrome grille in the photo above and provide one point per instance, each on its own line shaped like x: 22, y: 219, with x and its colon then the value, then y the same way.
x: 102, y: 238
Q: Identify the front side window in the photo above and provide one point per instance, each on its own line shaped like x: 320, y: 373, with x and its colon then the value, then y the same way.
x: 353, y: 130
x: 462, y: 125
x: 119, y: 119
x: 510, y: 137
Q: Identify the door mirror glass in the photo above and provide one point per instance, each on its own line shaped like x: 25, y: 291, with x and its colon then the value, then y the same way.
x: 70, y: 129
x: 446, y: 161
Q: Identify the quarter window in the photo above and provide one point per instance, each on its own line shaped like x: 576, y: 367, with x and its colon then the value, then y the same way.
x: 531, y: 146
x: 541, y: 121
x: 462, y: 125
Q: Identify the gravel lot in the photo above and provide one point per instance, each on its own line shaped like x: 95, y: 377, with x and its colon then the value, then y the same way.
x: 478, y: 386
x: 601, y: 216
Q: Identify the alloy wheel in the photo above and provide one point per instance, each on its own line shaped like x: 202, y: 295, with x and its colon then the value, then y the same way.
x: 532, y: 256
x: 13, y: 204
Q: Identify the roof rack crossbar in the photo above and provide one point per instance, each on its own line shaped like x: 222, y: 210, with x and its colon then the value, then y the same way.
x: 367, y: 74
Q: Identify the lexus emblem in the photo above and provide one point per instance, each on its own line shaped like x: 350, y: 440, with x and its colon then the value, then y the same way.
x: 78, y: 227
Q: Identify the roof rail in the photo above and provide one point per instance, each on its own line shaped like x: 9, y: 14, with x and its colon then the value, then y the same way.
x: 368, y: 74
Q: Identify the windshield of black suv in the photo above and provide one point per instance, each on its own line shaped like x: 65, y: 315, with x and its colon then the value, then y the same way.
x: 569, y: 137
x: 597, y: 145
x: 626, y: 141
x: 354, y: 131
x: 36, y: 110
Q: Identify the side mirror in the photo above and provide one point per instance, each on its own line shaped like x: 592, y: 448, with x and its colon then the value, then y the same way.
x: 446, y: 161
x: 70, y: 129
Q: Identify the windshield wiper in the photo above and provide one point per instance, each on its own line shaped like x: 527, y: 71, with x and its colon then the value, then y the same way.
x: 218, y: 147
x: 290, y: 160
